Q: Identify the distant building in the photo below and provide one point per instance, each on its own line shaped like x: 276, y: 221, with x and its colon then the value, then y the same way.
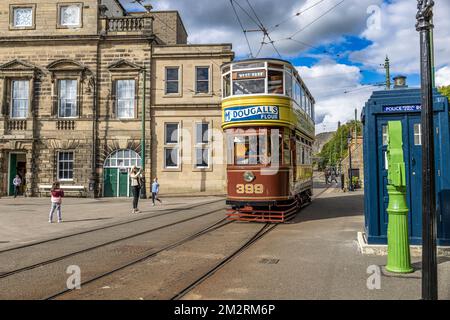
x: 72, y: 94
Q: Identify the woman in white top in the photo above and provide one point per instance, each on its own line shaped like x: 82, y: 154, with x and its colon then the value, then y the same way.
x: 136, y: 177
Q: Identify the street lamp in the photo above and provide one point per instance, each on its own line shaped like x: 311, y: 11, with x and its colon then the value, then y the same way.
x: 350, y: 171
x: 429, y: 265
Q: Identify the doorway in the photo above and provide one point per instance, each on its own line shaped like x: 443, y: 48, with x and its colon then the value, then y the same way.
x: 412, y: 151
x: 116, y: 177
x: 17, y: 166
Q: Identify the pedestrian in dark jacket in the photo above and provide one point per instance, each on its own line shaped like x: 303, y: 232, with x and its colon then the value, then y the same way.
x: 56, y: 198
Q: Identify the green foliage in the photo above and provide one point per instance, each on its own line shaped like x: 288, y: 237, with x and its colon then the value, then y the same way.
x: 331, y: 151
x: 445, y: 91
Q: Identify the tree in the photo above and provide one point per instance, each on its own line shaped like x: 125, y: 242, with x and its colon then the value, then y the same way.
x: 445, y: 90
x: 330, y: 154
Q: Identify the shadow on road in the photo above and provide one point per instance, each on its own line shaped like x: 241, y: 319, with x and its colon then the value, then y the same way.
x: 331, y: 207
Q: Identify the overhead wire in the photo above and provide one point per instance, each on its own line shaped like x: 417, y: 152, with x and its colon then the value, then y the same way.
x: 242, y: 27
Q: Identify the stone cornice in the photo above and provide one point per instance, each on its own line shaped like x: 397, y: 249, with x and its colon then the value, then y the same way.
x: 77, y: 38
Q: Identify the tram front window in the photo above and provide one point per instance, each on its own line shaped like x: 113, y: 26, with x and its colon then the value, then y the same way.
x: 241, y: 87
x: 250, y: 147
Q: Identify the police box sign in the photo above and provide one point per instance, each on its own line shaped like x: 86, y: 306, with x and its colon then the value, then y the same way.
x: 405, y: 108
x: 252, y: 113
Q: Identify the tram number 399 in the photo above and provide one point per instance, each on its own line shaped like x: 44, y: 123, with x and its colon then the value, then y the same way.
x: 249, y: 189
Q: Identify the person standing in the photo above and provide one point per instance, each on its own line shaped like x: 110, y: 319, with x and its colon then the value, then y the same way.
x: 17, y: 182
x: 136, y: 177
x: 56, y: 198
x: 327, y: 175
x: 155, y: 191
x: 333, y: 176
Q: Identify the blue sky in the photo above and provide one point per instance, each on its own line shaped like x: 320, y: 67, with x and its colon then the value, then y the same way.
x: 339, y: 46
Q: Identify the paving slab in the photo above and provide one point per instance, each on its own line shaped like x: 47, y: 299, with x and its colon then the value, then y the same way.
x: 25, y: 220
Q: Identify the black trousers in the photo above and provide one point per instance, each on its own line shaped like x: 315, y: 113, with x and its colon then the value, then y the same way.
x: 16, y: 191
x: 155, y: 197
x: 136, y: 193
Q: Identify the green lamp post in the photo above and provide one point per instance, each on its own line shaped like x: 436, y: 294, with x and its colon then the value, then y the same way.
x: 399, y: 259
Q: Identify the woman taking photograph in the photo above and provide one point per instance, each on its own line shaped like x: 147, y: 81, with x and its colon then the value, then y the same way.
x: 136, y: 177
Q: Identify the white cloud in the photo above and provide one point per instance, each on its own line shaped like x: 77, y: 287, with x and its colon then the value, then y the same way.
x: 338, y: 91
x: 443, y: 76
x: 399, y: 39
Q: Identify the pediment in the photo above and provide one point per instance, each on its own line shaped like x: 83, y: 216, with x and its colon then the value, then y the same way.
x: 123, y: 65
x: 66, y: 65
x: 17, y: 65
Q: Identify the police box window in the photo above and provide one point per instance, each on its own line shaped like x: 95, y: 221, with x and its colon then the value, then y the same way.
x: 65, y: 165
x: 202, y: 80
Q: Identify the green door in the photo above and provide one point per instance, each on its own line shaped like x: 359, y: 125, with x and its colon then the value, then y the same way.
x: 12, y: 172
x: 123, y: 183
x: 110, y: 182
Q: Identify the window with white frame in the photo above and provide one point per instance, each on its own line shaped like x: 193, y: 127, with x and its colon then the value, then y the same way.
x: 171, y: 145
x: 201, y: 79
x: 70, y: 15
x: 67, y: 98
x: 172, y: 80
x: 202, y: 145
x: 125, y: 98
x: 417, y: 134
x: 65, y: 165
x: 20, y: 98
x: 23, y: 17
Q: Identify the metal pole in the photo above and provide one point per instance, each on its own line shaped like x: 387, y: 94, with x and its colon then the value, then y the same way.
x: 387, y: 66
x: 350, y: 173
x: 429, y: 259
x: 143, y: 187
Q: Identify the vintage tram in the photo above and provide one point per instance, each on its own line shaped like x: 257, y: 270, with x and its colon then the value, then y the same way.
x: 268, y: 121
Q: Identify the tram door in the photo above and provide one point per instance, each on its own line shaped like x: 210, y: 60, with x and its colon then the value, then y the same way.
x: 412, y: 150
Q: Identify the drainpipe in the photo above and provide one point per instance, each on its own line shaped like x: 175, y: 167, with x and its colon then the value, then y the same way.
x: 143, y: 188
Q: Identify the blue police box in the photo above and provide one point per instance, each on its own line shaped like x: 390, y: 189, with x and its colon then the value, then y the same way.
x: 404, y: 104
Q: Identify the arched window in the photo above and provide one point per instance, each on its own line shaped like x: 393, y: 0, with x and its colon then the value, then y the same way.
x: 123, y: 159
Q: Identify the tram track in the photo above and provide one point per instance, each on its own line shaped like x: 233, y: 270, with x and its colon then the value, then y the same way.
x: 219, y: 224
x: 262, y: 232
x: 104, y: 244
x: 122, y: 223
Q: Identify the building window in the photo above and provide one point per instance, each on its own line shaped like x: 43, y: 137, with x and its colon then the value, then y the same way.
x: 67, y: 98
x: 202, y: 145
x: 172, y: 80
x: 65, y: 165
x: 70, y: 15
x: 417, y: 134
x: 126, y: 90
x: 171, y: 146
x: 20, y: 98
x: 202, y: 80
x: 23, y: 17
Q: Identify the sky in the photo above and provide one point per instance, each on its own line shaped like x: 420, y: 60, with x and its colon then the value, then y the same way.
x: 338, y: 46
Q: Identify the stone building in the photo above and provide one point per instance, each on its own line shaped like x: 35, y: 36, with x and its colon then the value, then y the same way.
x: 75, y: 78
x: 356, y: 147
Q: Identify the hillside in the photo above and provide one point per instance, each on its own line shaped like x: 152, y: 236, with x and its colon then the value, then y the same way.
x: 321, y: 140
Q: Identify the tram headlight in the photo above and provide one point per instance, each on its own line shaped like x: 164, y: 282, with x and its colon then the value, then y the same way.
x: 249, y: 176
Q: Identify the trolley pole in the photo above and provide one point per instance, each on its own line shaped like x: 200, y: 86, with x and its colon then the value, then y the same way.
x: 143, y: 187
x: 429, y: 263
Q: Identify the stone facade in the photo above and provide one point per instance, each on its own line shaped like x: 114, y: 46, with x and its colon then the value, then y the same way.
x: 97, y: 54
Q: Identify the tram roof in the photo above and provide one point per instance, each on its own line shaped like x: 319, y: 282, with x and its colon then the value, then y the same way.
x: 256, y: 60
x: 275, y: 60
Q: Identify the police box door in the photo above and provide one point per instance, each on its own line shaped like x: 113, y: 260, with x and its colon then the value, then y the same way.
x: 411, y: 135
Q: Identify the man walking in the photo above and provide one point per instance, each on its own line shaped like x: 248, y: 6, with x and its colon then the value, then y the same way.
x: 17, y: 182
